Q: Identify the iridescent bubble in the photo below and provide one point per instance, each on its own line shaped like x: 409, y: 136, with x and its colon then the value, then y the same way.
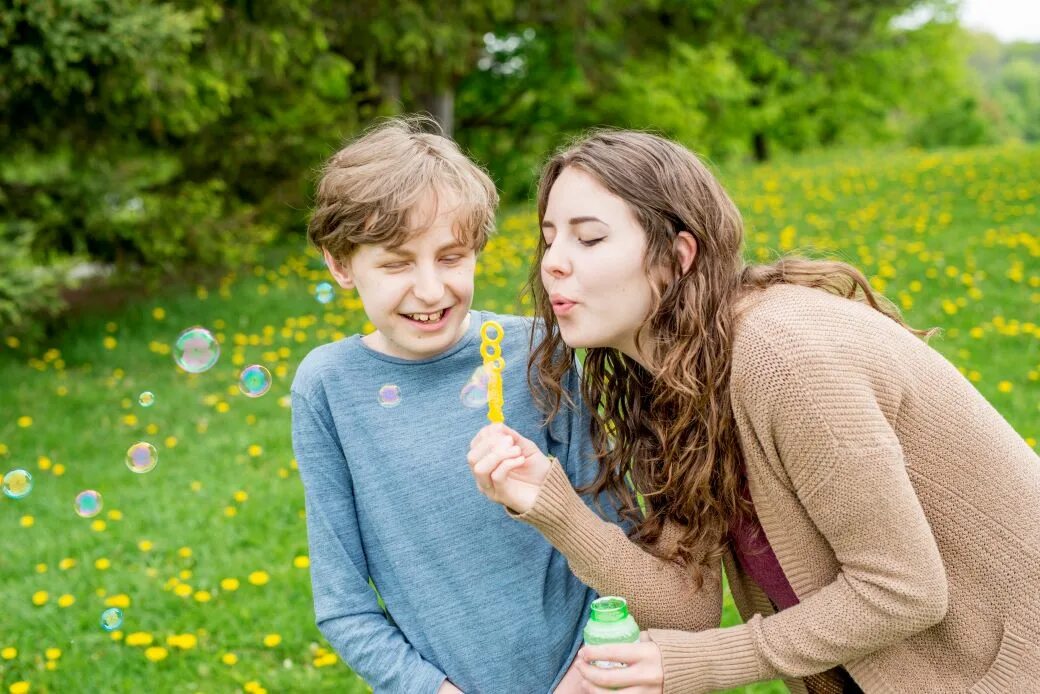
x: 111, y: 619
x: 196, y: 350
x: 146, y: 399
x: 474, y: 396
x: 88, y: 503
x: 324, y: 293
x: 475, y: 393
x: 254, y: 380
x: 142, y: 457
x: 17, y: 484
x: 390, y: 395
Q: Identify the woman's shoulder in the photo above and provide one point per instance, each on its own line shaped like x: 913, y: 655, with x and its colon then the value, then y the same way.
x: 803, y: 329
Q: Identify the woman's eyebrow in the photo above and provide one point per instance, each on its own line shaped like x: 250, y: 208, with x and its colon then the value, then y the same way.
x: 574, y: 221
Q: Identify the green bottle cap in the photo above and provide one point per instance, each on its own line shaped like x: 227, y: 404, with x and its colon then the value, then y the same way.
x: 608, y: 609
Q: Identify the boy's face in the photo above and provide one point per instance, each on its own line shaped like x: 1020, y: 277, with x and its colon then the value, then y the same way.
x: 417, y: 295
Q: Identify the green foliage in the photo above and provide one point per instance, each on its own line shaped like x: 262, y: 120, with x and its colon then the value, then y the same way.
x: 153, y: 136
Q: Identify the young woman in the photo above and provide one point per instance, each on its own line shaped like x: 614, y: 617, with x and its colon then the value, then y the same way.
x: 878, y: 520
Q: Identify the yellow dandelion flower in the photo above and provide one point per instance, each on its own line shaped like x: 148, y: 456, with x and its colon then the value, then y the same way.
x: 203, y: 596
x: 40, y: 597
x: 1004, y: 386
x: 119, y: 600
x: 196, y: 486
x: 182, y: 590
x: 259, y: 578
x: 130, y: 420
x: 156, y: 653
x: 170, y: 441
x: 184, y: 552
x: 152, y: 428
x: 98, y: 525
x: 58, y: 470
x: 301, y: 562
x: 240, y: 496
x: 182, y: 641
x: 62, y: 391
x: 66, y: 563
x: 115, y: 515
x: 139, y: 638
x: 25, y: 421
x: 52, y: 653
x: 230, y: 511
x: 272, y: 640
x: 43, y: 462
x: 158, y: 313
x: 116, y: 635
x: 229, y: 584
x: 109, y: 342
x: 9, y: 653
x: 66, y: 600
x: 223, y: 407
x: 102, y: 564
x: 255, y: 450
x: 41, y: 568
x: 20, y: 687
x: 229, y: 659
x: 27, y: 521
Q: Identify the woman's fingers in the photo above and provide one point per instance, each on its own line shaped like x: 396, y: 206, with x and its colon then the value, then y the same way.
x: 500, y: 473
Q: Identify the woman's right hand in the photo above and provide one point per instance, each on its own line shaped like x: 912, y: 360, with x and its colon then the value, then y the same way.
x: 507, y: 467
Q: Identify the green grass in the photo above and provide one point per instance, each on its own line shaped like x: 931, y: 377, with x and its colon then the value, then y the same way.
x: 952, y: 238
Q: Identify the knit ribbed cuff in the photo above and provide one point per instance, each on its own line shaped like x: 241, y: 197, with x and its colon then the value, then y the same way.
x: 706, y: 661
x: 567, y: 523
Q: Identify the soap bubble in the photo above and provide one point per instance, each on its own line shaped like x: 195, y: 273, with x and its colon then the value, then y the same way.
x: 324, y: 293
x: 17, y: 484
x: 254, y: 380
x: 146, y: 399
x: 196, y: 350
x: 142, y: 457
x: 88, y: 503
x: 390, y: 395
x: 475, y: 393
x: 111, y: 619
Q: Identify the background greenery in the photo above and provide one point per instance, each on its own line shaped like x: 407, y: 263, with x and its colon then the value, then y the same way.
x: 149, y: 137
x: 164, y: 154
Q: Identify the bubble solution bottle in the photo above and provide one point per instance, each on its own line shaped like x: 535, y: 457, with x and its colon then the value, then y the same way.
x: 610, y: 622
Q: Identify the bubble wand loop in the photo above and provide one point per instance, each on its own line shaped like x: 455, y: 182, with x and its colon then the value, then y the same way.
x: 491, y: 351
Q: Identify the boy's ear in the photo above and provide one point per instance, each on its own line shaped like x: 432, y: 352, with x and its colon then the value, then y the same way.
x: 686, y: 247
x: 341, y: 272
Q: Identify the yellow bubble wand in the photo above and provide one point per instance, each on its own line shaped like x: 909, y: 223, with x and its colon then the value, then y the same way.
x: 491, y: 351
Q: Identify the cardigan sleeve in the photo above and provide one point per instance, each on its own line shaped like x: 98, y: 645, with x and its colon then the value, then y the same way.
x: 819, y: 422
x: 660, y: 594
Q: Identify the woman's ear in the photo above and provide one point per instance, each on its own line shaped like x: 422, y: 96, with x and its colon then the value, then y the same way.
x: 685, y: 247
x: 340, y: 272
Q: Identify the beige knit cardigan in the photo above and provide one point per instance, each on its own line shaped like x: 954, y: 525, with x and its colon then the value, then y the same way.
x: 903, y: 509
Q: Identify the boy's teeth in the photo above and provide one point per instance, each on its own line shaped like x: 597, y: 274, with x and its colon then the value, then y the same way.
x: 426, y: 317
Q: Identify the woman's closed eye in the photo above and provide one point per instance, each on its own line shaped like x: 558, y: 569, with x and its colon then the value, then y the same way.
x: 591, y: 242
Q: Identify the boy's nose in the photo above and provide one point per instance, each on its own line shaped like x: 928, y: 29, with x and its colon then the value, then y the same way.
x: 428, y: 288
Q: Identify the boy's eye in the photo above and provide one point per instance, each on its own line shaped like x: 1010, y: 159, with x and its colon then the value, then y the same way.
x: 394, y: 266
x: 453, y: 258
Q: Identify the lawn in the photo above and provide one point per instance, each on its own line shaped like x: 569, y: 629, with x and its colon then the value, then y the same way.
x: 206, y: 555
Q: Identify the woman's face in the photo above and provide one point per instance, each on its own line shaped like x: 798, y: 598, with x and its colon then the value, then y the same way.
x: 593, y: 267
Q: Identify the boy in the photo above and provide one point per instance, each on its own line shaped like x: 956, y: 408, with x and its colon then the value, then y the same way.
x: 474, y: 601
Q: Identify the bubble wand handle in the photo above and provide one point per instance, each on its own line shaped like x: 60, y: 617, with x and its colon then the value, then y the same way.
x: 491, y: 352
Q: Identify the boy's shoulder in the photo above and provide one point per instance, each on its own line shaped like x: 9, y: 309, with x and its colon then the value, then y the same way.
x: 320, y: 361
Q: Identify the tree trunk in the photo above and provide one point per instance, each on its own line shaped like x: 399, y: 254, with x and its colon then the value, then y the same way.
x: 442, y: 107
x: 760, y: 145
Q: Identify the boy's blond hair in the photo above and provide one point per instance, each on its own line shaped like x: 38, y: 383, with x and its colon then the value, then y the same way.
x: 372, y: 190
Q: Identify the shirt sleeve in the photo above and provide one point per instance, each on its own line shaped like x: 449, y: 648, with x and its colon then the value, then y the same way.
x: 346, y: 609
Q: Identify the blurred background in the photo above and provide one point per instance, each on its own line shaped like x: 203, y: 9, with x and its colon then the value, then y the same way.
x: 156, y: 165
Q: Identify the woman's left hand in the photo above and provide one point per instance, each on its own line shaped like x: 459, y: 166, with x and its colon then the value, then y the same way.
x: 644, y: 674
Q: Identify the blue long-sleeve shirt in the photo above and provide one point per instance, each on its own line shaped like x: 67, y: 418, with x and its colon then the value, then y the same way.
x: 472, y: 594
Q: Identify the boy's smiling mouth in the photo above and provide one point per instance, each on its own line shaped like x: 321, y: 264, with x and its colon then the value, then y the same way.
x: 431, y: 319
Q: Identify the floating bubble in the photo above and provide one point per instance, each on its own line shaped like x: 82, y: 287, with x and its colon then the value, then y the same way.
x: 111, y: 619
x: 324, y: 293
x: 146, y: 399
x: 390, y: 395
x: 17, y: 484
x: 254, y: 380
x: 475, y: 393
x: 196, y: 350
x: 88, y: 503
x: 142, y: 457
x: 473, y: 396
